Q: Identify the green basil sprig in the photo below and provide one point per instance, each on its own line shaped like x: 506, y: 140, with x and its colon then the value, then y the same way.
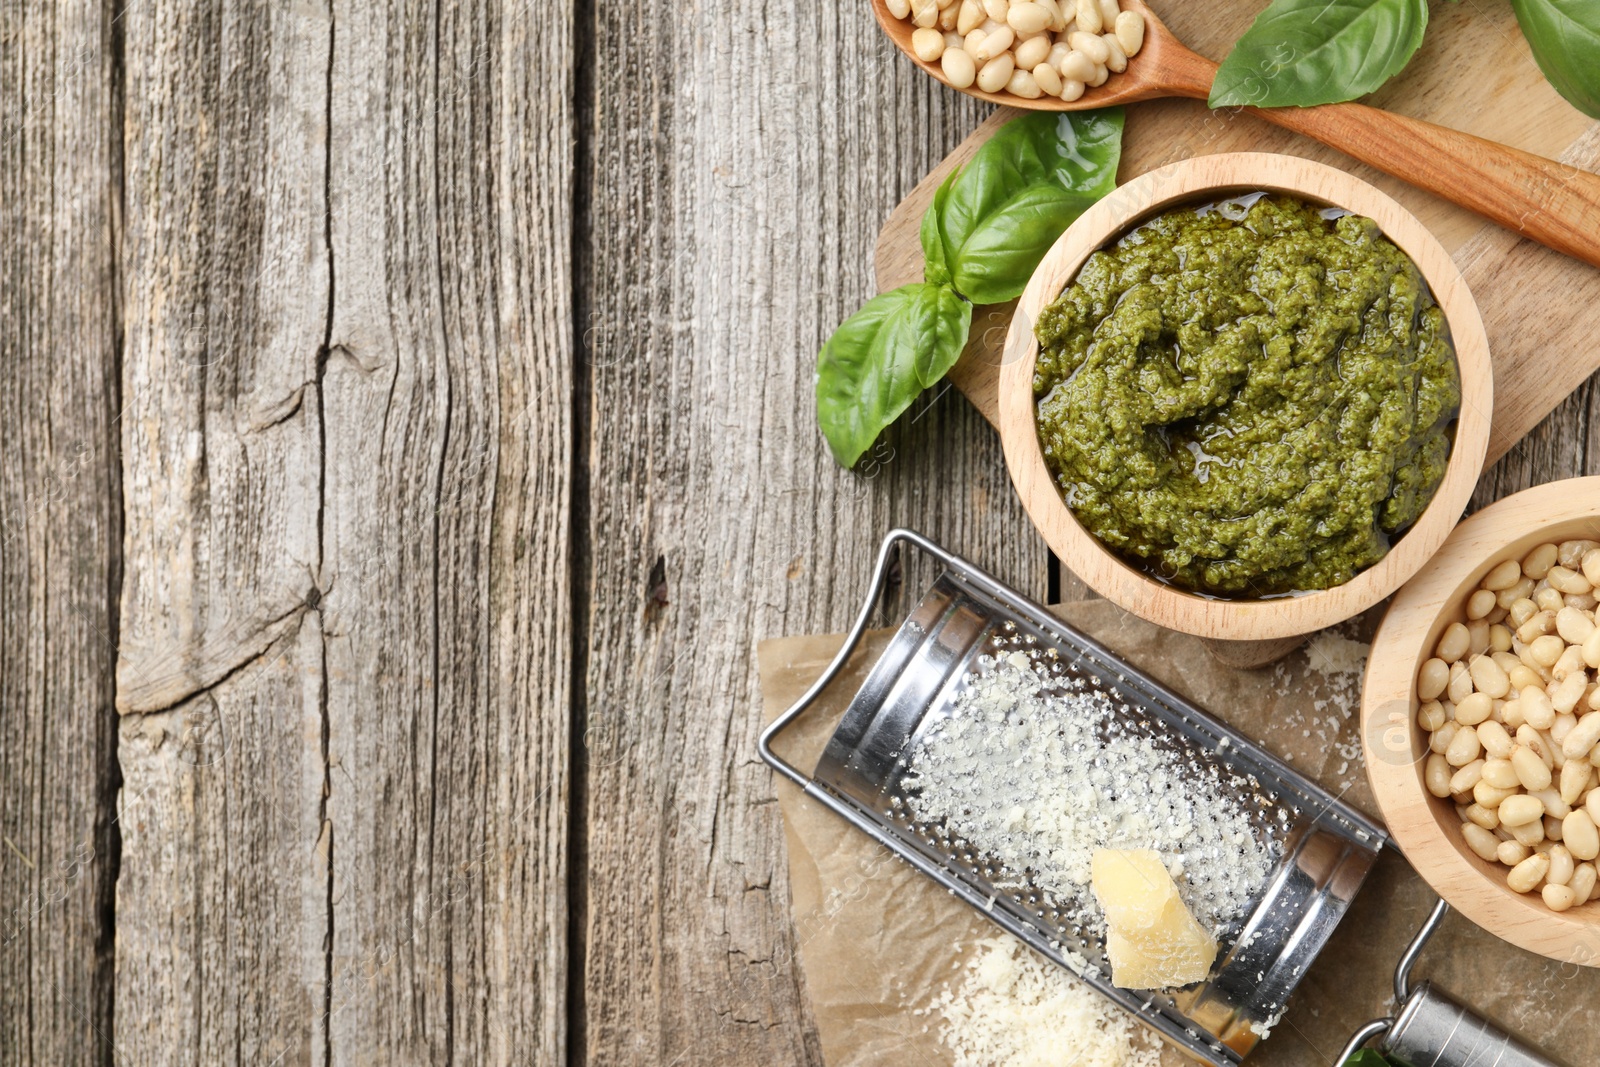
x: 1565, y: 38
x: 988, y: 226
x: 1305, y: 52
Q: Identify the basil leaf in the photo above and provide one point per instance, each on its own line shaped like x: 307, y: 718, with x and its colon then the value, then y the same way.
x: 881, y: 357
x: 1306, y: 52
x: 999, y: 256
x: 934, y: 267
x: 1565, y: 38
x: 1022, y: 188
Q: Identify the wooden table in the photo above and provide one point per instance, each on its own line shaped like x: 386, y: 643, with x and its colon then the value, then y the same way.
x: 407, y: 433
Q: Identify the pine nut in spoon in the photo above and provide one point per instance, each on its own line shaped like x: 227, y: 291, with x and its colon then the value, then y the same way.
x: 1545, y: 201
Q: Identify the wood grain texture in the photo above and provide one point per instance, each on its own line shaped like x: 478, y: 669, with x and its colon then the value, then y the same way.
x: 222, y: 900
x: 732, y: 201
x: 59, y: 522
x: 446, y: 388
x: 344, y: 664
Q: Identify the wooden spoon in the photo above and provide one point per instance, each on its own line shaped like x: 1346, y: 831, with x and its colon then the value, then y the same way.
x: 1545, y: 201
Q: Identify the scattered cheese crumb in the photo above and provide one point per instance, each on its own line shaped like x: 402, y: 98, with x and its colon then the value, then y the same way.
x: 1013, y: 1008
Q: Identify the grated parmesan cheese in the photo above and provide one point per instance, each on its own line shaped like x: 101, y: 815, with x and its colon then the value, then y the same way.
x: 1040, y: 773
x: 1012, y: 1008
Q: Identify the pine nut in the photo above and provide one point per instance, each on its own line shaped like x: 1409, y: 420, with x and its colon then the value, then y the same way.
x: 1549, y: 600
x: 1101, y: 74
x: 1488, y: 677
x: 1562, y: 866
x: 996, y: 9
x: 1558, y: 898
x: 1460, y: 686
x: 969, y: 16
x: 1474, y: 710
x: 1108, y: 14
x: 1569, y: 691
x: 1027, y: 17
x: 1483, y: 793
x: 1436, y: 775
x: 1530, y: 834
x: 1574, y: 625
x: 1481, y: 816
x: 899, y: 8
x: 1550, y: 800
x: 1431, y: 716
x: 1521, y: 612
x: 1023, y: 85
x: 1574, y: 781
x: 1523, y: 677
x: 1130, y: 32
x: 1500, y: 639
x: 924, y: 13
x: 1046, y: 78
x: 1571, y: 553
x: 1079, y: 67
x: 1496, y: 740
x: 1520, y: 810
x: 1525, y: 875
x: 1089, y: 20
x: 1032, y: 52
x: 1464, y: 747
x: 1071, y: 89
x: 1566, y: 580
x: 927, y: 44
x: 1466, y: 777
x: 1582, y: 884
x: 1089, y: 44
x: 1481, y: 841
x: 1537, y: 708
x: 1501, y: 774
x: 1116, y: 61
x: 992, y: 47
x: 1520, y: 591
x: 994, y: 74
x: 1512, y: 853
x: 959, y: 69
x: 1503, y: 575
x: 1591, y: 566
x: 1580, y: 835
x: 1531, y: 770
x: 1455, y: 641
x: 1537, y: 564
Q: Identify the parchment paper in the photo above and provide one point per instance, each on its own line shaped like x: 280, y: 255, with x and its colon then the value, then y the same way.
x: 877, y: 941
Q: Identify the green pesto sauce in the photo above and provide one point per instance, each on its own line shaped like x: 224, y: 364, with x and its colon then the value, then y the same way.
x: 1247, y: 398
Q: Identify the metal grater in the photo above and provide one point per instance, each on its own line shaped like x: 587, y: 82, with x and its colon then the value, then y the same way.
x: 1323, y: 848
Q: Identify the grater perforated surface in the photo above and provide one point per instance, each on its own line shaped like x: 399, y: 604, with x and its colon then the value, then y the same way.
x: 1321, y: 849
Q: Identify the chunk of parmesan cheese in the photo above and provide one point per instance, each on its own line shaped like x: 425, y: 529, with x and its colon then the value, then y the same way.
x: 1152, y: 939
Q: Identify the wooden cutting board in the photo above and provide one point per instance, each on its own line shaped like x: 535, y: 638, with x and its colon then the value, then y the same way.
x: 1474, y: 73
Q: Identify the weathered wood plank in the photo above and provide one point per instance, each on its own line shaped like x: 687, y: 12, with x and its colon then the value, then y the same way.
x: 446, y: 392
x: 222, y: 902
x: 59, y: 523
x: 734, y: 185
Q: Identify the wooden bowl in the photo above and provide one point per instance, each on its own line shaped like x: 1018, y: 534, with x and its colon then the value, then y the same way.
x: 1208, y: 178
x: 1425, y: 827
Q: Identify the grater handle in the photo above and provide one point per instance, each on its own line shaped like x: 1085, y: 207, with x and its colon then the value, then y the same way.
x: 880, y: 578
x: 1433, y: 1029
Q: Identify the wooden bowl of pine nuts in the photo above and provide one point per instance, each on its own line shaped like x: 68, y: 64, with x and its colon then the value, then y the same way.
x: 1481, y: 720
x: 1132, y: 585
